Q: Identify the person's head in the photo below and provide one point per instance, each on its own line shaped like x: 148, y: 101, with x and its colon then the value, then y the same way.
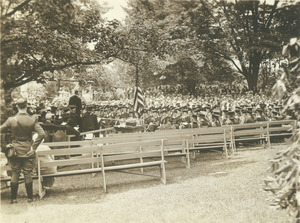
x: 76, y: 92
x: 21, y: 103
x: 72, y: 108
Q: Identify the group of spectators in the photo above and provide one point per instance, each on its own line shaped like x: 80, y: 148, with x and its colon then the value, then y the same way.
x: 163, y: 111
x: 201, y: 90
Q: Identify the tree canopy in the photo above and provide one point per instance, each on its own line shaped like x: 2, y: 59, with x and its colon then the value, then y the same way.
x: 221, y: 38
x: 235, y: 36
x: 44, y: 36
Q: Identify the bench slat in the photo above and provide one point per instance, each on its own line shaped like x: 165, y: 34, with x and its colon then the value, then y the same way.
x: 70, y: 162
x: 131, y: 156
x: 69, y: 151
x: 135, y: 165
x: 73, y: 172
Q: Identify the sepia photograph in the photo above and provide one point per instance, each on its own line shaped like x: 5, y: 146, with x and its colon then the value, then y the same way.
x: 150, y: 111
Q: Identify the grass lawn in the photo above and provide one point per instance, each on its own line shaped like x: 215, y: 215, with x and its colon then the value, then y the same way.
x: 213, y: 190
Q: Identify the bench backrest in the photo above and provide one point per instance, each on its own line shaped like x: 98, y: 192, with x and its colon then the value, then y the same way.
x: 221, y: 136
x: 68, y: 144
x: 120, y: 138
x: 90, y: 150
x: 132, y: 150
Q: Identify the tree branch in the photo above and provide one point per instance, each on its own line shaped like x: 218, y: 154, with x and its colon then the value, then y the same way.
x: 17, y: 8
x: 227, y: 58
x: 268, y: 24
x: 38, y: 72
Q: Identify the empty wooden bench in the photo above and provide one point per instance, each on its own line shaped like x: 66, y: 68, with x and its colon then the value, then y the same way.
x: 175, y: 144
x: 92, y: 158
x: 211, y: 139
x: 138, y: 153
x: 282, y: 128
x: 258, y: 132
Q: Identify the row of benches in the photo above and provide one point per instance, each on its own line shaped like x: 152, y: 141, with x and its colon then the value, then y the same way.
x: 141, y: 150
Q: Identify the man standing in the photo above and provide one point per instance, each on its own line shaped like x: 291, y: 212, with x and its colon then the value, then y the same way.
x: 75, y: 100
x: 22, y: 126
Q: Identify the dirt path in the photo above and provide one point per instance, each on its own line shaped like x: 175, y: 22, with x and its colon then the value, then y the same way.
x: 213, y: 190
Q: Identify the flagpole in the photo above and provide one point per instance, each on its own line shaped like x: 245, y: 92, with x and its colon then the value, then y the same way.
x: 136, y: 82
x: 136, y: 75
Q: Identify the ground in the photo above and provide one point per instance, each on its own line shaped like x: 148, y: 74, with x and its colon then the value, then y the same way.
x: 215, y: 189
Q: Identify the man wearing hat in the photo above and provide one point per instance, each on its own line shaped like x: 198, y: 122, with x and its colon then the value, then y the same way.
x: 185, y: 120
x: 203, y: 120
x: 76, y: 101
x: 22, y: 126
x: 216, y: 119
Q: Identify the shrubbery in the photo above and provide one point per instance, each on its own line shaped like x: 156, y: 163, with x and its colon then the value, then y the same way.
x: 284, y: 179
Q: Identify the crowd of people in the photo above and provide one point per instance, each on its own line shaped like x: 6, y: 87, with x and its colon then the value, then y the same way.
x: 162, y: 111
x: 202, y: 90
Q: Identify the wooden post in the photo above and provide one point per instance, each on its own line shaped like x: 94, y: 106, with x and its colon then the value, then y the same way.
x: 225, y: 145
x: 40, y: 178
x: 188, y: 165
x: 141, y: 159
x: 102, y: 169
x: 162, y: 168
x: 268, y: 135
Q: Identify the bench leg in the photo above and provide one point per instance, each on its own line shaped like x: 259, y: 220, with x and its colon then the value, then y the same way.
x: 225, y: 150
x: 103, y: 173
x: 104, y: 182
x: 188, y: 163
x: 232, y: 147
x: 42, y: 191
x: 163, y: 174
x: 93, y: 165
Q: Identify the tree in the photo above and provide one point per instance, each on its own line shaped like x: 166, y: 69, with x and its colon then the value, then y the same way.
x: 240, y: 34
x: 185, y: 71
x: 171, y: 41
x: 44, y: 36
x: 138, y: 42
x: 244, y: 33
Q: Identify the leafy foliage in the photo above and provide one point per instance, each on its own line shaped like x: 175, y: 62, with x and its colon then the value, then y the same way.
x: 284, y: 181
x: 231, y: 35
x: 44, y: 36
x: 185, y: 71
x: 286, y: 178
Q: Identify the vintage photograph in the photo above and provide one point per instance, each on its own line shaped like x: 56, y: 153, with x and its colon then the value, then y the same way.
x: 150, y: 111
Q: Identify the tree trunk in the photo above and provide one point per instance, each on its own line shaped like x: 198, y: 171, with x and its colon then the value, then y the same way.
x: 252, y: 83
x: 7, y: 96
x: 252, y: 74
x: 136, y: 75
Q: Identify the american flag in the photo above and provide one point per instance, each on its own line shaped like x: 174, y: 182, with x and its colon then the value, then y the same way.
x: 138, y: 103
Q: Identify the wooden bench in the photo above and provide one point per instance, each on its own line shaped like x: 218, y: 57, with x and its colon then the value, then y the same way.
x: 136, y: 152
x: 175, y: 144
x: 97, y: 157
x: 282, y: 128
x: 215, y: 138
x: 258, y: 131
x: 79, y: 161
x: 209, y: 138
x: 184, y: 134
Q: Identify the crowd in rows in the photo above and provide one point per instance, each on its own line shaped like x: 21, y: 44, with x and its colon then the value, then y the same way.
x: 173, y: 111
x: 202, y: 90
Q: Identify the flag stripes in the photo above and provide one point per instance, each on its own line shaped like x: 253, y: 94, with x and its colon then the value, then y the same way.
x: 138, y: 103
